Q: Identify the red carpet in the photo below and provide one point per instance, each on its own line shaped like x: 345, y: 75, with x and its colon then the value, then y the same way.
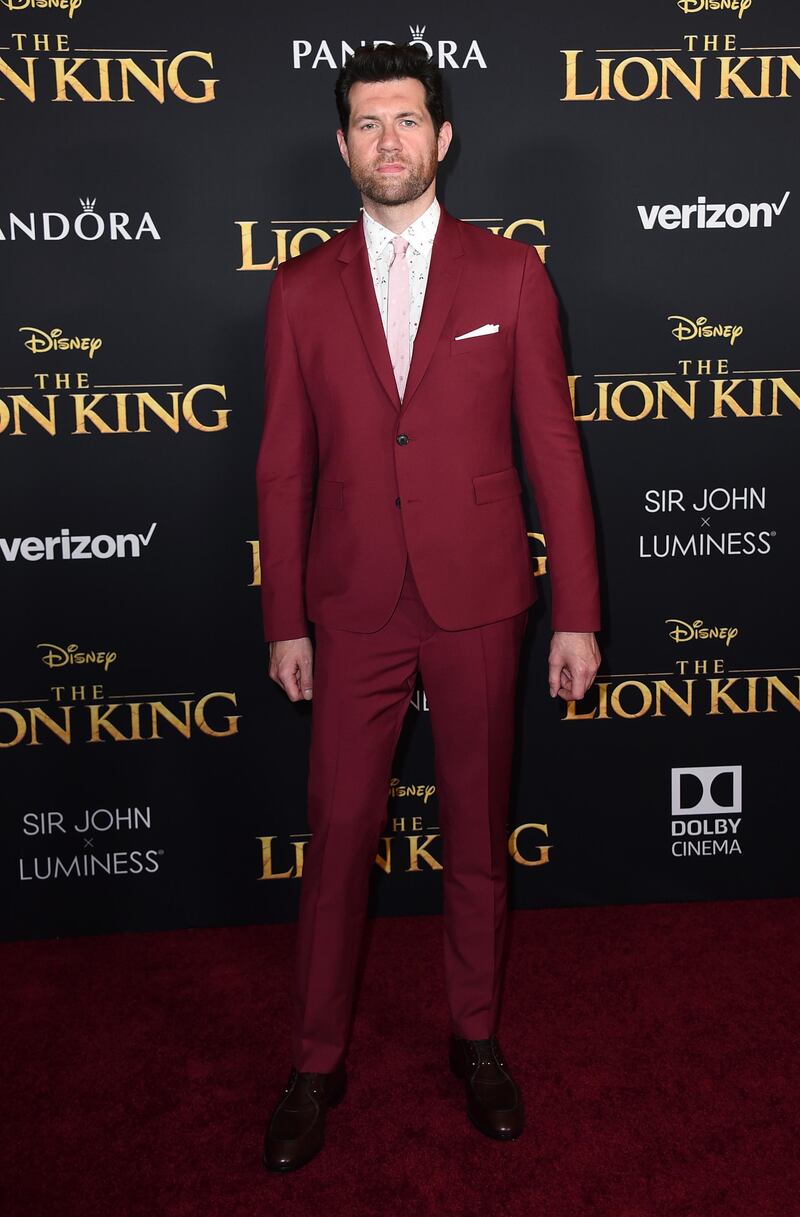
x: 656, y: 1047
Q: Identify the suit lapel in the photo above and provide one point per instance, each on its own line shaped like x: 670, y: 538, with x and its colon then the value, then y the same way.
x: 357, y: 282
x: 443, y: 279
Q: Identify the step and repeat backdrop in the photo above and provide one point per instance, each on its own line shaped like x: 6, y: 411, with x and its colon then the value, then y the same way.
x: 160, y: 161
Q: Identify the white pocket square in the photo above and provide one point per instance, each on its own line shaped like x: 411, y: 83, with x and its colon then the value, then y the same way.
x: 483, y: 329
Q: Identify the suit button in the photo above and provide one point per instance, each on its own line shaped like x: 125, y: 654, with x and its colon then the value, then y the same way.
x: 402, y: 439
x: 397, y: 502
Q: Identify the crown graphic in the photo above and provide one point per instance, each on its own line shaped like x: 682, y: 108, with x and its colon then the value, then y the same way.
x: 88, y: 204
x: 417, y: 32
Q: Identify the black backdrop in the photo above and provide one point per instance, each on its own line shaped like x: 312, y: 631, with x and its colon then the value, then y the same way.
x: 158, y: 161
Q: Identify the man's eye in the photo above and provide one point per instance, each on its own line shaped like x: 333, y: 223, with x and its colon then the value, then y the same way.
x: 410, y: 122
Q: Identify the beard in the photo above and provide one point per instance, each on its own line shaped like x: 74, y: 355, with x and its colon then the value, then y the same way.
x: 390, y: 190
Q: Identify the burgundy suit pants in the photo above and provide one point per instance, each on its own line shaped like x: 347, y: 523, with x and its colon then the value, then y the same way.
x: 362, y: 687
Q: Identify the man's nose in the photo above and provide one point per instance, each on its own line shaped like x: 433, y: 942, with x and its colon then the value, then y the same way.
x: 389, y: 142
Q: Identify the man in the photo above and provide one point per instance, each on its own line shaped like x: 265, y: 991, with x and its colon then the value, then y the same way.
x: 390, y: 516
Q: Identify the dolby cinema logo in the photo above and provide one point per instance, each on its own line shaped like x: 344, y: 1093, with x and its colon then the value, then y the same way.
x: 706, y: 811
x: 88, y: 223
x: 66, y: 546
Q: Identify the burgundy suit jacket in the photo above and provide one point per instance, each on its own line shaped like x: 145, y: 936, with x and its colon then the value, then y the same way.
x: 350, y: 479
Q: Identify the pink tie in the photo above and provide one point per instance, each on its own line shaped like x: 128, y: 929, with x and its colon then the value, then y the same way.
x: 397, y: 314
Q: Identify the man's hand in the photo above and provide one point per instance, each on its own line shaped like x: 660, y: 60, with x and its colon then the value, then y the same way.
x: 574, y: 660
x: 291, y: 666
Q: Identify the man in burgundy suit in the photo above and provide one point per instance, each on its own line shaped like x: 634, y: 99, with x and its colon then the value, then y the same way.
x: 390, y: 517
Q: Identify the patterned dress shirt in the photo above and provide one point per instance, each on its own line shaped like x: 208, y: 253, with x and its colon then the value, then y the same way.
x: 420, y: 236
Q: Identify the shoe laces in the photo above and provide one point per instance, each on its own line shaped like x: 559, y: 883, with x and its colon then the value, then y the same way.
x: 486, y: 1052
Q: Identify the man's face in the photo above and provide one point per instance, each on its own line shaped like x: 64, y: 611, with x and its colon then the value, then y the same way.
x: 391, y: 148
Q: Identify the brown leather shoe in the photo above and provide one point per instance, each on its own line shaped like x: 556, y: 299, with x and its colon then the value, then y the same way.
x: 296, y: 1131
x: 494, y: 1103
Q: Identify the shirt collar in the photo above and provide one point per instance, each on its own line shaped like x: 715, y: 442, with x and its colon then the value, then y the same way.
x: 419, y: 234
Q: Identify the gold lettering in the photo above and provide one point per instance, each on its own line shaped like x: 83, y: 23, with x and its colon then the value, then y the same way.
x: 514, y: 850
x: 540, y: 560
x: 779, y: 385
x: 136, y: 727
x: 719, y: 695
x: 221, y: 416
x: 664, y: 688
x: 645, y: 392
x: 147, y: 401
x: 789, y: 63
x: 659, y: 696
x: 18, y: 722
x: 182, y: 726
x: 644, y: 693
x: 255, y: 559
x: 102, y: 75
x: 600, y: 710
x: 730, y: 76
x: 267, y: 871
x: 724, y: 397
x: 65, y: 77
x: 173, y: 78
x: 755, y: 383
x: 692, y: 87
x: 26, y: 88
x: 571, y: 75
x: 512, y: 228
x: 572, y: 382
x: 129, y: 67
x: 649, y: 71
x: 665, y: 389
x: 46, y: 421
x: 296, y: 242
x: 232, y: 720
x: 64, y: 733
x: 417, y: 851
x: 752, y: 686
x: 774, y: 683
x: 281, y: 234
x: 84, y: 413
x: 122, y: 413
x: 384, y: 861
x: 99, y: 719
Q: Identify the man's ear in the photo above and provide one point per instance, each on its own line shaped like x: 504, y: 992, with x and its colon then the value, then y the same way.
x: 342, y: 142
x: 443, y: 139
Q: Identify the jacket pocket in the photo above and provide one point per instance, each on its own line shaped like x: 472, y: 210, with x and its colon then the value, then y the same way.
x: 486, y: 345
x: 330, y: 494
x: 490, y: 487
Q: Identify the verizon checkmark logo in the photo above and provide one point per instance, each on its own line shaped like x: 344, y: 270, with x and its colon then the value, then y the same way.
x: 67, y: 546
x: 702, y: 214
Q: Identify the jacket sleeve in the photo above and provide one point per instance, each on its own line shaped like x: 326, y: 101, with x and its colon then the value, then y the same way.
x: 285, y: 476
x: 552, y: 453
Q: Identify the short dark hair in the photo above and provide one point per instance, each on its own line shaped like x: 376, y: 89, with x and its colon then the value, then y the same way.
x: 393, y: 62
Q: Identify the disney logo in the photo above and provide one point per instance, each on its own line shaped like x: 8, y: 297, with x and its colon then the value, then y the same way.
x: 699, y: 327
x: 67, y: 6
x: 691, y: 631
x: 706, y: 6
x: 41, y: 341
x: 397, y: 791
x: 59, y: 657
